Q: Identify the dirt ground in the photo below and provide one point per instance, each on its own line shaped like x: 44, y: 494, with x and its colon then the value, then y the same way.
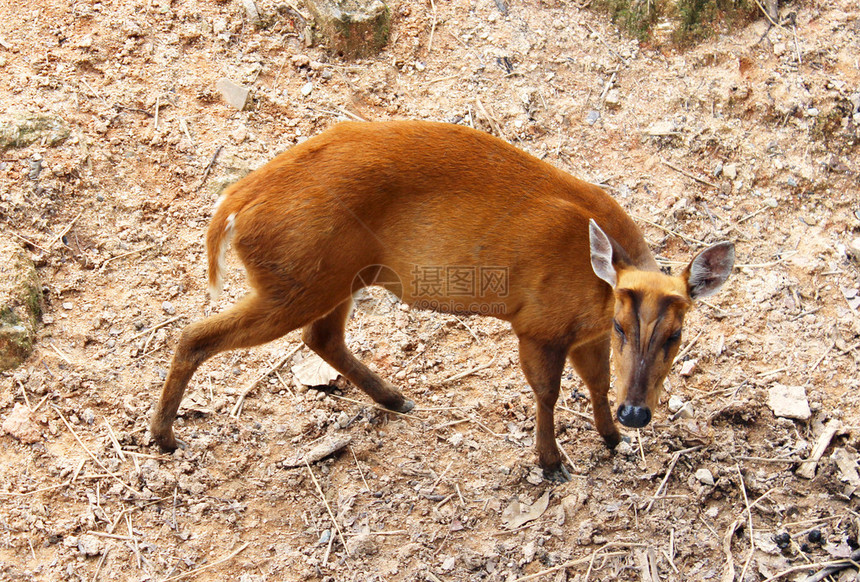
x: 741, y: 137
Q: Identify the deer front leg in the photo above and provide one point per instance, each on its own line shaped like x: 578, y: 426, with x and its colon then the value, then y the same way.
x: 543, y: 365
x: 591, y: 362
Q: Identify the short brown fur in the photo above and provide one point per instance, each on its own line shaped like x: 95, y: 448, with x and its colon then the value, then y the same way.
x: 411, y: 195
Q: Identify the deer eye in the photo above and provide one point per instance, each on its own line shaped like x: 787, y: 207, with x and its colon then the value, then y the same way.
x: 617, y: 327
x: 673, y: 338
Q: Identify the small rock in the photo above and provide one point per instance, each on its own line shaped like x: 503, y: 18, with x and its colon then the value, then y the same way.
x: 20, y: 425
x: 613, y: 98
x: 22, y: 130
x: 624, y: 448
x: 730, y: 171
x: 168, y: 308
x: 362, y: 545
x: 686, y: 411
x: 306, y: 89
x: 342, y: 420
x: 688, y: 367
x: 235, y: 95
x: 449, y: 563
x: 592, y: 117
x: 90, y: 545
x: 779, y: 49
x: 251, y: 10
x: 705, y: 477
x: 812, y: 112
x: 788, y: 401
x: 535, y: 476
x: 68, y: 305
x: 529, y: 551
x: 675, y: 403
x: 854, y: 248
x: 325, y: 537
x: 661, y: 128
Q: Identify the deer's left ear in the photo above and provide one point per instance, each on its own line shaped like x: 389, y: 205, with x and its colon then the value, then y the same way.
x: 708, y: 270
x: 601, y: 254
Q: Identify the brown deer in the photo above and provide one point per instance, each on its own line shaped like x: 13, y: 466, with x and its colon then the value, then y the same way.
x: 553, y: 255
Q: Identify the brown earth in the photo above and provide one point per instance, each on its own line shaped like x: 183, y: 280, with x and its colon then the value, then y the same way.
x: 740, y: 138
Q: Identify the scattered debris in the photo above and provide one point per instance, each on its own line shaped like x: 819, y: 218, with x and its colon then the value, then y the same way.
x: 846, y: 462
x: 517, y: 513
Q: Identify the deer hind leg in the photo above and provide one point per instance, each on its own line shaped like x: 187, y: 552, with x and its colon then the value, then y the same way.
x: 325, y: 336
x: 591, y: 362
x: 254, y: 320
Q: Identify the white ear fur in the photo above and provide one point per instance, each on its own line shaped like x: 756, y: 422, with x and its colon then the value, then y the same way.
x: 601, y: 254
x: 709, y: 270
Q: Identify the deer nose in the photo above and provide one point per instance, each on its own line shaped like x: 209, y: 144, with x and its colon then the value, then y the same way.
x: 634, y: 416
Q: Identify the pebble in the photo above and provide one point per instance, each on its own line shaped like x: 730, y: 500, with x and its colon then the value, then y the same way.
x: 688, y: 367
x: 613, y: 98
x: 854, y: 248
x: 730, y: 171
x: 235, y: 95
x: 625, y: 448
x: 168, y: 308
x: 705, y: 477
x: 307, y: 88
x: 788, y: 401
x: 68, y: 305
x: 362, y: 545
x: 592, y: 117
x: 449, y: 563
x: 686, y: 411
x: 675, y: 403
x: 89, y: 545
x: 20, y: 425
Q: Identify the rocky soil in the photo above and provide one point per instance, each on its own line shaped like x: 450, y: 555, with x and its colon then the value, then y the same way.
x: 750, y: 136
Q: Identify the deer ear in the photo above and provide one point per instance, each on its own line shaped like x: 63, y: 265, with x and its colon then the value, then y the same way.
x: 708, y: 270
x: 601, y: 254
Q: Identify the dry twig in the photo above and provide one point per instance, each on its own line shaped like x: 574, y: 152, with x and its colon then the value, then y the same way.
x: 328, y: 507
x: 196, y: 571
